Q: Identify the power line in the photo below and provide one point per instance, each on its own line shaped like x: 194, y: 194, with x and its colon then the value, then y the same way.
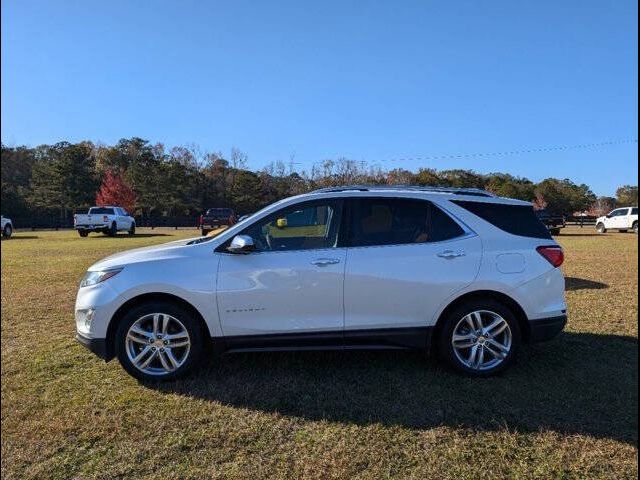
x: 521, y: 151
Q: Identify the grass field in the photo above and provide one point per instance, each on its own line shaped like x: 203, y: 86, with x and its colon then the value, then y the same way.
x: 568, y: 409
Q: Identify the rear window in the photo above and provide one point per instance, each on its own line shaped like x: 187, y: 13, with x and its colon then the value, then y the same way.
x: 518, y: 220
x: 101, y: 211
x: 219, y: 212
x: 634, y: 211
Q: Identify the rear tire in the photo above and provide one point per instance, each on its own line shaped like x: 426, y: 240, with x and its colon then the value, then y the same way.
x: 480, y: 350
x: 555, y: 232
x: 83, y: 233
x: 600, y: 228
x: 113, y: 231
x: 181, y: 323
x: 7, y: 231
x: 635, y: 227
x: 132, y: 230
x: 204, y: 232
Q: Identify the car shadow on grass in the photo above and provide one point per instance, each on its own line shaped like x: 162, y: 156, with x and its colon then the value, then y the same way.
x: 574, y: 283
x: 579, y: 383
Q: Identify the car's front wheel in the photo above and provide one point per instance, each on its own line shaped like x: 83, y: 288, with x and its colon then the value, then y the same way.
x: 132, y: 229
x: 600, y: 228
x: 479, y: 338
x: 159, y: 341
x: 7, y: 231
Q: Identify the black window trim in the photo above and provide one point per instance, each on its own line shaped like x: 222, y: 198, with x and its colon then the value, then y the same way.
x: 467, y: 231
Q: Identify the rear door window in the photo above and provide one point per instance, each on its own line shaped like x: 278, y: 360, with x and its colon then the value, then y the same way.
x: 396, y: 221
x: 518, y: 220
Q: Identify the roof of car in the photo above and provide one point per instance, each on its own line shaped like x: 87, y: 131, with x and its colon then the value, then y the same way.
x: 475, y: 192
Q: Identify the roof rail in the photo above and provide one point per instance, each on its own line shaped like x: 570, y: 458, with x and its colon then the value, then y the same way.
x: 476, y: 192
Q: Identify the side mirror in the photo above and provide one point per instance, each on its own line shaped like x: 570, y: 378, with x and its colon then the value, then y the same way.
x: 241, y: 244
x: 281, y: 222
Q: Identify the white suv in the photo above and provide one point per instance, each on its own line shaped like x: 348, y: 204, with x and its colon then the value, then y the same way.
x: 622, y: 219
x: 457, y: 272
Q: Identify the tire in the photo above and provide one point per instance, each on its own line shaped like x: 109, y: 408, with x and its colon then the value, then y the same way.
x: 7, y: 231
x: 189, y: 357
x: 461, y: 358
x: 83, y: 233
x: 600, y: 228
x: 635, y: 227
x: 132, y: 230
x: 204, y: 232
x: 555, y: 232
x: 113, y: 231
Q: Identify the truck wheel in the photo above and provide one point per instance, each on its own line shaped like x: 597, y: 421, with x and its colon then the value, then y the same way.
x: 600, y: 228
x: 113, y: 231
x: 204, y: 232
x: 83, y: 233
x: 635, y: 227
x: 7, y: 231
x: 132, y: 230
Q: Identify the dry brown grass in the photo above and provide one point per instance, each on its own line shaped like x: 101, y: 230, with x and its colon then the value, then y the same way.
x: 567, y: 410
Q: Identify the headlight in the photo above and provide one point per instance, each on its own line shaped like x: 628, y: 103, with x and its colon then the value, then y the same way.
x: 91, y: 278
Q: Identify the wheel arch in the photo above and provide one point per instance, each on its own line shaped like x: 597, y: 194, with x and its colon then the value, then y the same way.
x: 506, y: 300
x: 144, y: 298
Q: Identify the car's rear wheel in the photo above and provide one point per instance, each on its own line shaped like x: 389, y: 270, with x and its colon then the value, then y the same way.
x: 635, y: 227
x: 132, y: 230
x: 83, y: 233
x: 7, y: 231
x: 479, y: 338
x: 600, y: 228
x: 159, y: 341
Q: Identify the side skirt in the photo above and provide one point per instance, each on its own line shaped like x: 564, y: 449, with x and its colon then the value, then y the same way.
x: 369, y: 339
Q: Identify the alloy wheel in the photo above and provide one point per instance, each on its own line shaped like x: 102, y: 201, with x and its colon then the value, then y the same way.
x: 482, y: 340
x: 157, y: 344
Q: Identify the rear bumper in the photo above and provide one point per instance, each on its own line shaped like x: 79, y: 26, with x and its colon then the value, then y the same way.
x: 545, y: 329
x: 96, y: 345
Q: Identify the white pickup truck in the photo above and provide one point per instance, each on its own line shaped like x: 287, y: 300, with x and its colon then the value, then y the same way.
x: 108, y: 220
x: 622, y: 219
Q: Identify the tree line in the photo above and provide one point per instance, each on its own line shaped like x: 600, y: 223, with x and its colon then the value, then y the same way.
x: 153, y: 181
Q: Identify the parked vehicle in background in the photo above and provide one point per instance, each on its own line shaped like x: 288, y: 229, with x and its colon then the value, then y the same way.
x: 215, y: 218
x: 7, y: 227
x: 622, y: 219
x: 553, y: 222
x: 108, y: 220
x: 456, y: 272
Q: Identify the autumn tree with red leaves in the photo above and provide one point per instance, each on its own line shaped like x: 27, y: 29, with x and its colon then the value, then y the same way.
x: 115, y: 191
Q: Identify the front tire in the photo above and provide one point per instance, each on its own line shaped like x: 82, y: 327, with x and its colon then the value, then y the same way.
x: 159, y: 341
x: 83, y: 233
x: 204, y: 231
x: 480, y: 338
x: 600, y: 228
x: 132, y: 230
x: 113, y: 231
x: 555, y: 232
x: 7, y: 231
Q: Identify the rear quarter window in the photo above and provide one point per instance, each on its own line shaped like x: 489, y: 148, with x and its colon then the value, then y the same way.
x: 518, y: 220
x: 634, y: 211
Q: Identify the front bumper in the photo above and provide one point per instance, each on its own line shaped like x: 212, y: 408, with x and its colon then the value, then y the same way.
x: 95, y: 345
x: 545, y: 329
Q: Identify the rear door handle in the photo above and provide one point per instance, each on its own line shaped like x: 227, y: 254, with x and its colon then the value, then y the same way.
x: 449, y: 254
x: 323, y: 262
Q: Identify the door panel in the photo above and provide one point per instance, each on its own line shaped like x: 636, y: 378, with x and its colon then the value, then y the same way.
x: 277, y: 292
x: 403, y: 285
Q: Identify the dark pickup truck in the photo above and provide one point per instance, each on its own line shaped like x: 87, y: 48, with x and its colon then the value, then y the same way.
x: 553, y: 222
x: 215, y: 218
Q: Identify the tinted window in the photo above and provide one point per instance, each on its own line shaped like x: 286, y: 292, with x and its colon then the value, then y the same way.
x: 384, y: 221
x: 101, y: 211
x: 515, y: 219
x: 302, y: 227
x: 634, y: 211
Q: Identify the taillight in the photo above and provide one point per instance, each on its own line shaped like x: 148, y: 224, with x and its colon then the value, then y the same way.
x: 554, y: 255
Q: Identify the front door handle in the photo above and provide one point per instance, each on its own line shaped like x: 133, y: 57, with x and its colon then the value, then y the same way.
x: 323, y: 262
x: 449, y: 254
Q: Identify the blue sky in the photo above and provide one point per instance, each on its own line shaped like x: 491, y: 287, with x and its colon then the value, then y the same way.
x: 373, y: 81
